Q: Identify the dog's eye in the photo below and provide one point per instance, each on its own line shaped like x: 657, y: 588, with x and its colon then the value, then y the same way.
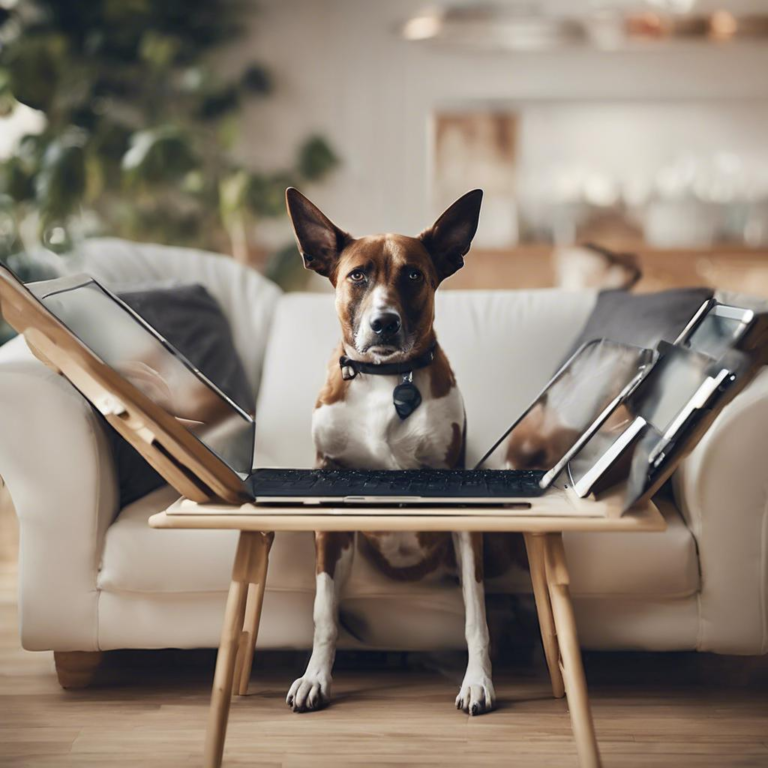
x: 356, y: 276
x: 414, y: 274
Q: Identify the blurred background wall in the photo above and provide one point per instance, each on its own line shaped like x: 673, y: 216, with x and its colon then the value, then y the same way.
x: 374, y: 95
x: 640, y: 125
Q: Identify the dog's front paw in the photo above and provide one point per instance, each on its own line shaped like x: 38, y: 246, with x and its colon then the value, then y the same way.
x: 309, y: 693
x: 476, y: 696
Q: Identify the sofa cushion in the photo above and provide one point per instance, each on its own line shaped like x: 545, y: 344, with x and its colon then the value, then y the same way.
x: 139, y: 559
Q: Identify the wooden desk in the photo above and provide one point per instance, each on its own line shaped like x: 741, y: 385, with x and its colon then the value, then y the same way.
x: 542, y: 522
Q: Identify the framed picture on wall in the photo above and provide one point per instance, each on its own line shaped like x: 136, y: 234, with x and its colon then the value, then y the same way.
x: 478, y: 148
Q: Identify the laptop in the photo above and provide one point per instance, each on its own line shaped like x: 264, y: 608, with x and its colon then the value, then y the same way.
x: 199, y: 439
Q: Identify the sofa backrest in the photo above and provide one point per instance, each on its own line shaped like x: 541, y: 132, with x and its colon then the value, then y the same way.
x: 503, y: 345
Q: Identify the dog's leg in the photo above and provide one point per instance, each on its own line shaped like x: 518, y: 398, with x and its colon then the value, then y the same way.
x: 334, y: 552
x: 476, y: 695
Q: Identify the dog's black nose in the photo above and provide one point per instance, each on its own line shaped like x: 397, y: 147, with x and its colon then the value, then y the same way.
x: 386, y: 324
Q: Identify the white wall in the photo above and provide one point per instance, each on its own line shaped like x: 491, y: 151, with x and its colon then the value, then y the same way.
x: 341, y: 69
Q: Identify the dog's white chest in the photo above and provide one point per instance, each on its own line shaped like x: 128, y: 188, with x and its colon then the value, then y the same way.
x: 363, y: 431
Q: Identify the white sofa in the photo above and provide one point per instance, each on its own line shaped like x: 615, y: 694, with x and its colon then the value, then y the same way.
x: 94, y: 577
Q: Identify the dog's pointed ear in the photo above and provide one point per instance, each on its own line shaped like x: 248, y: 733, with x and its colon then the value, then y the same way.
x: 320, y: 240
x: 450, y: 237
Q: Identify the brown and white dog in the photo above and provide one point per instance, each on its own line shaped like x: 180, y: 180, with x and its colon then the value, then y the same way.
x: 385, y: 287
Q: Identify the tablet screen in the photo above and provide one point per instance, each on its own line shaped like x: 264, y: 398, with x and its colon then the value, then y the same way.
x: 676, y: 378
x: 118, y: 336
x: 719, y: 330
x: 578, y: 396
x: 665, y: 393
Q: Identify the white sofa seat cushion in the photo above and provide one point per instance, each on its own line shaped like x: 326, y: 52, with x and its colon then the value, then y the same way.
x: 635, y: 565
x: 139, y: 559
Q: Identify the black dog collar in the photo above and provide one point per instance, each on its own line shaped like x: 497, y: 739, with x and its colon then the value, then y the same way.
x: 350, y: 368
x: 406, y: 396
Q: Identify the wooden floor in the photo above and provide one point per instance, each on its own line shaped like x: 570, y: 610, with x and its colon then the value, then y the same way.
x: 149, y: 709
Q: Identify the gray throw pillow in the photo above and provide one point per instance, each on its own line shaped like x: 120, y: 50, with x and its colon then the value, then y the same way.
x: 641, y: 319
x: 192, y: 321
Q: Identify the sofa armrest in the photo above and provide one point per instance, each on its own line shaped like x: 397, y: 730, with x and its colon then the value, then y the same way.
x: 57, y: 464
x: 722, y: 492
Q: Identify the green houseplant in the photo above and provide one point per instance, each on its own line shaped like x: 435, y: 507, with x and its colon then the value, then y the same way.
x: 140, y: 130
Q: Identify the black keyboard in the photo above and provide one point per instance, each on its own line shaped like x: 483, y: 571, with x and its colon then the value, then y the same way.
x: 423, y: 483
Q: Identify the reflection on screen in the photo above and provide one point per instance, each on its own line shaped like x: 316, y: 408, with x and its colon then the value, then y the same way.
x: 670, y: 387
x: 572, y: 402
x: 600, y: 443
x: 674, y: 380
x: 716, y: 334
x: 124, y: 343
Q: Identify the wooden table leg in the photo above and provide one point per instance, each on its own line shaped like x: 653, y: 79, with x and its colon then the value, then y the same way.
x: 535, y: 546
x: 570, y: 652
x: 251, y: 551
x: 252, y: 618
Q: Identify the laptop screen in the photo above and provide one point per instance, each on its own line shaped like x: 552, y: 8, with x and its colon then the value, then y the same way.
x: 133, y: 349
x: 578, y: 398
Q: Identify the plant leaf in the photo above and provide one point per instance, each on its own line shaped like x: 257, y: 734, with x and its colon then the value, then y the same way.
x: 256, y: 79
x: 159, y: 155
x: 60, y: 184
x: 265, y: 194
x: 33, y: 64
x: 15, y: 181
x: 316, y: 159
